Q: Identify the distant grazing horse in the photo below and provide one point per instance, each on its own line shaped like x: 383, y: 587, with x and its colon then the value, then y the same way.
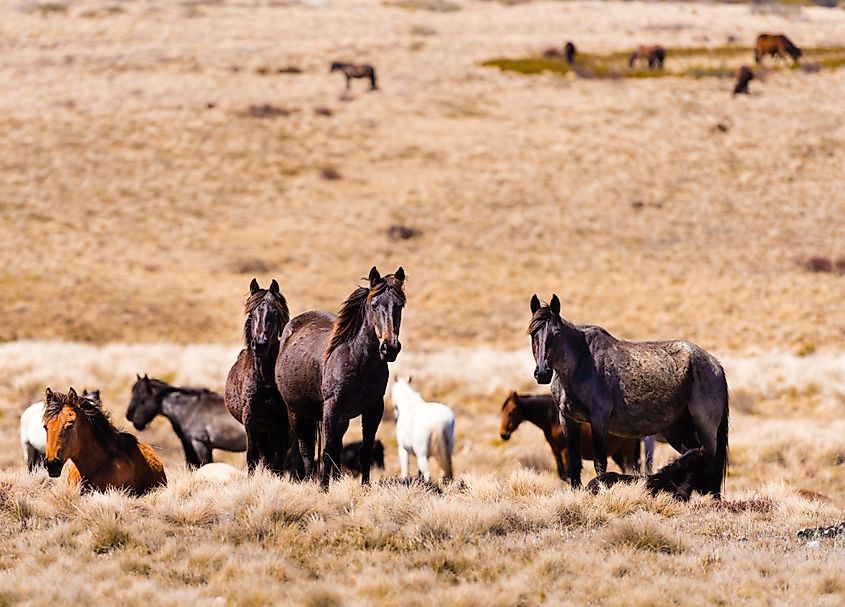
x: 356, y: 70
x: 251, y: 394
x: 775, y: 45
x: 33, y: 434
x: 676, y: 478
x: 542, y: 411
x: 569, y: 52
x: 333, y: 368
x: 350, y: 456
x: 424, y: 429
x: 198, y: 417
x: 101, y: 456
x: 744, y: 75
x: 632, y: 389
x: 653, y: 55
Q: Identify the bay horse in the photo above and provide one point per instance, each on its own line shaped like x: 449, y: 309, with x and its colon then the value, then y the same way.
x: 542, y: 411
x: 677, y: 477
x: 356, y: 70
x: 653, y: 55
x: 333, y: 368
x: 631, y: 389
x: 744, y: 75
x: 198, y: 417
x: 251, y: 395
x: 776, y: 45
x: 101, y: 456
x: 33, y: 434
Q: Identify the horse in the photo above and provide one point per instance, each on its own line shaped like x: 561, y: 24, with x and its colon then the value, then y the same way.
x: 251, y: 395
x: 424, y: 429
x: 101, y: 456
x: 744, y: 75
x: 333, y: 368
x: 350, y: 456
x: 219, y: 472
x: 356, y: 70
x: 542, y: 411
x: 631, y: 389
x: 675, y: 478
x: 569, y: 51
x: 198, y: 417
x: 653, y: 55
x: 33, y: 434
x: 775, y: 45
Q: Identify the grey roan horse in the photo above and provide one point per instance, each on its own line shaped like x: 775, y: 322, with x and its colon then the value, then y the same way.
x: 251, y: 394
x: 333, y: 368
x: 198, y: 416
x: 632, y: 389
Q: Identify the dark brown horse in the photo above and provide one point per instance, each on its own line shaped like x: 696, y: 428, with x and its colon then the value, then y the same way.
x: 653, y: 55
x: 350, y: 456
x: 569, y: 52
x: 198, y: 417
x: 677, y: 477
x: 632, y: 389
x: 356, y: 70
x: 776, y: 45
x: 542, y: 412
x: 333, y: 368
x: 744, y: 75
x: 251, y: 395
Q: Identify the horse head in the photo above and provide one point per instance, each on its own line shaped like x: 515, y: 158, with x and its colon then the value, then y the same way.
x: 545, y: 330
x: 267, y: 314
x: 144, y: 405
x: 61, y: 413
x: 511, y: 416
x: 385, y: 300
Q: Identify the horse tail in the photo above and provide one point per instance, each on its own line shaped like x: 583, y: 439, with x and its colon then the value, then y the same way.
x: 373, y: 79
x: 721, y: 464
x: 442, y: 446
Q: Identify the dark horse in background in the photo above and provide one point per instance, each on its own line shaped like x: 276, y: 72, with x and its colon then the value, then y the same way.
x: 632, y: 389
x: 350, y: 456
x: 356, y: 70
x: 776, y: 45
x: 542, y: 411
x: 251, y: 395
x: 676, y: 478
x: 198, y: 417
x: 653, y: 55
x: 333, y: 368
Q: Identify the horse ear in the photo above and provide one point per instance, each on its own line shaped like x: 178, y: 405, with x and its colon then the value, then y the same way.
x: 48, y: 395
x: 535, y: 303
x: 410, y: 379
x: 253, y: 287
x: 274, y: 287
x: 374, y: 276
x: 400, y: 274
x: 554, y: 304
x: 137, y: 376
x: 72, y: 396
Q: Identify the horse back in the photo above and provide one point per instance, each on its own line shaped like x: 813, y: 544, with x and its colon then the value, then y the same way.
x: 299, y: 365
x: 148, y: 467
x: 232, y: 396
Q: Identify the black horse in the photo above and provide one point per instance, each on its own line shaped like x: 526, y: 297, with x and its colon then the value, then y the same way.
x: 350, y: 456
x: 569, y: 51
x: 333, y: 368
x: 251, y: 395
x: 632, y: 389
x: 356, y: 70
x: 676, y: 478
x: 198, y: 416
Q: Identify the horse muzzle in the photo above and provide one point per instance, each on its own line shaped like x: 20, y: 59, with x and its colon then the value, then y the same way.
x: 543, y: 374
x: 389, y: 350
x: 54, y: 467
x: 505, y: 435
x: 261, y: 348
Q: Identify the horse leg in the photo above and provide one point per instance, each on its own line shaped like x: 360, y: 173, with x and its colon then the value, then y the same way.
x: 192, y: 457
x: 404, y: 456
x: 648, y: 442
x: 305, y: 432
x: 573, y: 451
x: 708, y: 407
x: 369, y: 425
x: 561, y: 468
x: 253, y: 455
x: 422, y: 464
x: 598, y: 428
x: 348, y: 81
x: 333, y: 430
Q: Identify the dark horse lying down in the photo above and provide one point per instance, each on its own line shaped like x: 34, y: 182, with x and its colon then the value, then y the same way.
x: 632, y: 389
x: 542, y: 412
x: 676, y: 478
x: 199, y: 418
x: 333, y: 368
x: 355, y: 70
x: 350, y: 456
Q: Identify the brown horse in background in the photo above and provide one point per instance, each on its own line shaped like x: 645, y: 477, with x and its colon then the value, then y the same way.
x: 251, y: 395
x: 542, y: 412
x: 653, y: 55
x: 333, y: 368
x: 356, y: 70
x: 744, y: 75
x: 776, y: 45
x: 101, y: 456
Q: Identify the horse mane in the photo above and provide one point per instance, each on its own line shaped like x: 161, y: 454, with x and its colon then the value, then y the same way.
x: 350, y: 317
x: 541, y: 317
x: 165, y: 388
x: 279, y: 303
x: 112, y: 439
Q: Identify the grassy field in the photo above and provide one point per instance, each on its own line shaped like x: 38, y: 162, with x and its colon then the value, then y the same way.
x: 157, y: 156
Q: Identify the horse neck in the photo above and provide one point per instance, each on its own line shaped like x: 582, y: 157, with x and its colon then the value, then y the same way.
x: 534, y: 411
x: 410, y: 399
x: 90, y: 456
x: 171, y: 407
x: 265, y: 366
x: 572, y: 350
x: 365, y: 341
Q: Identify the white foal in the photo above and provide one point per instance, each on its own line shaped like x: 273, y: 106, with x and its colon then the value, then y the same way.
x: 424, y: 429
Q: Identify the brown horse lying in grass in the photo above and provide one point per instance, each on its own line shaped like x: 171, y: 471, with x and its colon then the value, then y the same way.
x: 677, y: 477
x: 101, y: 456
x: 543, y: 413
x: 653, y: 55
x: 776, y: 45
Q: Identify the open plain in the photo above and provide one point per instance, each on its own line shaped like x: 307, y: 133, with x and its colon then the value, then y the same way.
x: 156, y: 156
